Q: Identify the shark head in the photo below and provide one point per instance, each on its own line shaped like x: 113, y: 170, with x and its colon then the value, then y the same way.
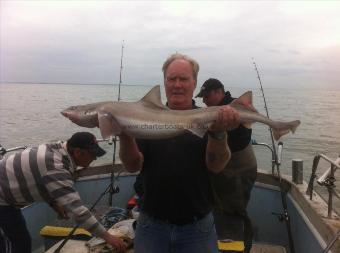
x: 83, y: 115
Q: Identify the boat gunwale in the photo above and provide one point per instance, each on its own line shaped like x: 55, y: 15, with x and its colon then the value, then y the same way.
x: 315, y: 210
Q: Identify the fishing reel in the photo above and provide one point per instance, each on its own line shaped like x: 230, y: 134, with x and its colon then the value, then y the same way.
x: 114, y: 190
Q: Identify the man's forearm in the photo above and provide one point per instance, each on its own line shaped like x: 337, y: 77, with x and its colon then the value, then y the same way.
x: 129, y: 153
x: 217, y: 154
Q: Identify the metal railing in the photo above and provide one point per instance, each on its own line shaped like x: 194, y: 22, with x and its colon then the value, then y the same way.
x: 3, y: 151
x: 327, y: 179
x: 276, y: 159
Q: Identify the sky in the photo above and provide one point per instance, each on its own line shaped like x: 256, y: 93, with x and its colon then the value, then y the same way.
x: 295, y: 44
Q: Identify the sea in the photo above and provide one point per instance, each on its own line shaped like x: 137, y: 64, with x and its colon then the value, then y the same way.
x: 30, y: 115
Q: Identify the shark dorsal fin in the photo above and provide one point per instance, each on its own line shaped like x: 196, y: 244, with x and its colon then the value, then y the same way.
x: 245, y: 99
x: 153, y: 97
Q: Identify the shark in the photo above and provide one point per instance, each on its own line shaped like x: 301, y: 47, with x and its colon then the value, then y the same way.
x: 148, y: 118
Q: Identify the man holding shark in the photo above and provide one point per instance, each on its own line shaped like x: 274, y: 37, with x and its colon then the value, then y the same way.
x: 177, y: 200
x: 176, y: 147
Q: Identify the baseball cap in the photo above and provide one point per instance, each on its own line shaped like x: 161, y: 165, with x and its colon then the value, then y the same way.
x: 209, y: 85
x: 88, y: 141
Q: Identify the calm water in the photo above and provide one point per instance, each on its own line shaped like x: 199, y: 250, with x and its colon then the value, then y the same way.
x: 30, y: 114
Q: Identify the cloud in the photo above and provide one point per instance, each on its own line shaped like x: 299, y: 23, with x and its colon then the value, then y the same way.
x: 73, y: 41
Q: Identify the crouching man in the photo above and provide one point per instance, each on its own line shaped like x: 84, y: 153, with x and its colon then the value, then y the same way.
x: 44, y: 173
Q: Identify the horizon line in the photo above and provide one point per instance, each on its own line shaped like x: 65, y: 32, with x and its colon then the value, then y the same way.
x: 76, y: 83
x: 151, y: 85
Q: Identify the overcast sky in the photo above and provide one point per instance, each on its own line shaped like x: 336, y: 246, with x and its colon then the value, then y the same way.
x: 294, y: 44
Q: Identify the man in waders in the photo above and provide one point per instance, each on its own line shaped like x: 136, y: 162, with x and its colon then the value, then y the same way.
x: 233, y: 185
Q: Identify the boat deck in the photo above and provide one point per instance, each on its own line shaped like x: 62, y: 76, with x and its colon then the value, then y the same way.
x: 311, y: 228
x: 265, y: 248
x: 74, y: 246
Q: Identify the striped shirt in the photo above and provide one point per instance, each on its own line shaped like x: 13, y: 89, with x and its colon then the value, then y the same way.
x: 44, y: 173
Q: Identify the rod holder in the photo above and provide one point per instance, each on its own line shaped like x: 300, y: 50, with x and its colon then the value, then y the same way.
x: 297, y: 171
x: 327, y: 179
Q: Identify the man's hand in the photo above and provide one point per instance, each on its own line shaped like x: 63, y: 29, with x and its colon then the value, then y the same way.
x: 227, y: 119
x: 115, y: 242
x: 60, y: 211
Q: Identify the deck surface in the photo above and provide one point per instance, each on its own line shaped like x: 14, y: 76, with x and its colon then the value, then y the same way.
x: 74, y: 246
x: 264, y: 248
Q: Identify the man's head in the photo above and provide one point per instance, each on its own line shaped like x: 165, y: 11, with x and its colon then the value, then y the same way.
x: 180, y: 79
x: 212, y: 92
x: 84, y: 149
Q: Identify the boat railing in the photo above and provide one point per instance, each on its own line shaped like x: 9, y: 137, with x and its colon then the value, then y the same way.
x: 3, y: 151
x: 276, y: 157
x: 326, y: 180
x: 104, y: 166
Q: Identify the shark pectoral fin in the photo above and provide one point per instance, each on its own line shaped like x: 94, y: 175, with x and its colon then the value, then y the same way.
x: 198, y: 132
x: 198, y: 129
x: 108, y: 125
x: 278, y: 133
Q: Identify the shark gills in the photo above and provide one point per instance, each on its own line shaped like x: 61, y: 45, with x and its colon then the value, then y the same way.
x: 148, y: 118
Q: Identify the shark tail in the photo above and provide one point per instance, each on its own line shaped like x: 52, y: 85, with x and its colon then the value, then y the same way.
x: 282, y: 128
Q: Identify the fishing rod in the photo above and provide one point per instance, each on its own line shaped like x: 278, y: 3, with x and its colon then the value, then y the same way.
x: 121, y: 69
x: 267, y: 112
x: 115, y: 137
x: 276, y: 161
x: 111, y: 188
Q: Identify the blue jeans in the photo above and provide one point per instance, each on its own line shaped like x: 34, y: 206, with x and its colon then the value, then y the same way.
x: 155, y: 236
